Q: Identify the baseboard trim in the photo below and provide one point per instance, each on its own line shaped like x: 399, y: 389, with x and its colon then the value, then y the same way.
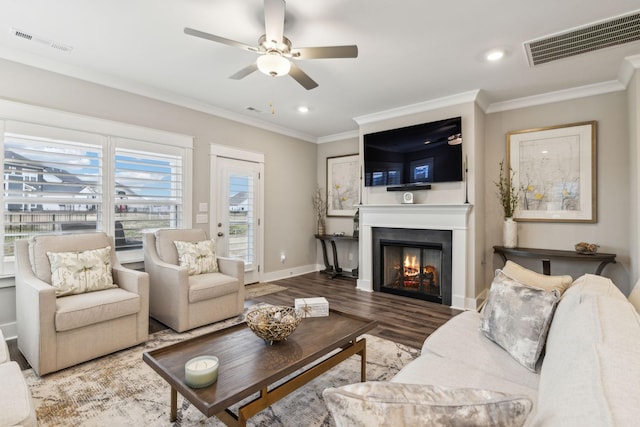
x: 9, y: 330
x: 292, y: 272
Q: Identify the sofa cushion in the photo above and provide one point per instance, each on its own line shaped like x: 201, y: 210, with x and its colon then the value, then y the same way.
x: 590, y: 373
x: 212, y: 285
x: 40, y: 245
x: 396, y: 404
x: 16, y: 405
x: 461, y: 335
x: 80, y: 272
x: 634, y: 296
x: 517, y: 318
x: 80, y: 310
x: 198, y: 257
x: 536, y: 280
x: 165, y: 247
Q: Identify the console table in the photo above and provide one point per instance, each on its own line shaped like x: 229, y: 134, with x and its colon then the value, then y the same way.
x: 335, y: 269
x: 545, y: 254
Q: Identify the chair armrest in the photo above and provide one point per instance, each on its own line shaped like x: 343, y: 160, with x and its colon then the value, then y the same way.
x: 131, y: 280
x: 231, y: 267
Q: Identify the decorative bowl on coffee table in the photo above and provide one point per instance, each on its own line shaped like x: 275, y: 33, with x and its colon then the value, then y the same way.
x: 273, y: 323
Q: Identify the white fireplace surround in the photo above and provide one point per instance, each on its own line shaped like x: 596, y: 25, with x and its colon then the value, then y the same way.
x: 433, y: 217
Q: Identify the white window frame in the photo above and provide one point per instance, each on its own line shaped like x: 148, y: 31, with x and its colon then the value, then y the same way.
x: 111, y: 133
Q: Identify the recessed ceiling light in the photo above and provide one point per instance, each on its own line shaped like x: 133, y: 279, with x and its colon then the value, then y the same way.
x: 303, y: 109
x: 495, y: 55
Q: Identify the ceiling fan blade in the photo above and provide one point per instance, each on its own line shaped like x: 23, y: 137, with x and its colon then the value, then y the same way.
x: 245, y: 71
x: 325, y: 52
x: 207, y: 36
x: 302, y: 77
x: 274, y: 20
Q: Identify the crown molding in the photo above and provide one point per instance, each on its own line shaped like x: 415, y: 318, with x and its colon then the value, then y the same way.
x: 338, y: 136
x: 628, y: 68
x: 110, y: 81
x: 557, y: 96
x: 420, y: 107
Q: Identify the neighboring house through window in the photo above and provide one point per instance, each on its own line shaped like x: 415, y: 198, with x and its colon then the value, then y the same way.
x: 73, y: 174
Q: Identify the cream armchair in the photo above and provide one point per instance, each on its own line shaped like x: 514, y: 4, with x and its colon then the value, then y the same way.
x: 184, y: 302
x: 58, y: 332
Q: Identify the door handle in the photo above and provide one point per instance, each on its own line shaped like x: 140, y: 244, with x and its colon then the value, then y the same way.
x: 220, y: 234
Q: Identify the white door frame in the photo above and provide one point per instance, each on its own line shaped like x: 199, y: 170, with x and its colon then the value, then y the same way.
x: 216, y: 151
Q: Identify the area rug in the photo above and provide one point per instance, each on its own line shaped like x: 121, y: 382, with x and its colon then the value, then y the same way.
x: 122, y: 390
x: 259, y: 289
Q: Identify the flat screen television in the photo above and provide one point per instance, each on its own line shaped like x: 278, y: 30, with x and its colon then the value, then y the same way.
x: 414, y: 156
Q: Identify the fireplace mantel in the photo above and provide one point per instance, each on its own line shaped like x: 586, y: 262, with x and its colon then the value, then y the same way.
x: 418, y: 216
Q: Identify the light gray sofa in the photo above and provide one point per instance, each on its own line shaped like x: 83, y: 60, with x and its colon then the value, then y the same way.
x: 16, y: 405
x: 184, y: 302
x: 589, y: 376
x: 58, y: 332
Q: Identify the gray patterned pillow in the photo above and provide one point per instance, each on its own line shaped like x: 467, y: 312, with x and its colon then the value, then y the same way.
x: 198, y: 257
x: 391, y: 404
x: 517, y: 318
x: 80, y: 272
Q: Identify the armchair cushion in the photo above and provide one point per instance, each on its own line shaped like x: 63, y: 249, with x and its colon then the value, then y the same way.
x: 80, y: 272
x: 94, y: 307
x: 198, y: 257
x: 213, y: 285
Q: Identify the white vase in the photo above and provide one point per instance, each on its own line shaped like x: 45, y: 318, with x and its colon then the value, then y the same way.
x: 509, y: 233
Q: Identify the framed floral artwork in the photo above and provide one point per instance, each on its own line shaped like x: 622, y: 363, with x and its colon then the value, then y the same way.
x: 343, y: 185
x: 555, y: 171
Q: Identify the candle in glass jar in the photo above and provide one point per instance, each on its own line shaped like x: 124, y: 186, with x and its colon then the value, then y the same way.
x: 201, y: 371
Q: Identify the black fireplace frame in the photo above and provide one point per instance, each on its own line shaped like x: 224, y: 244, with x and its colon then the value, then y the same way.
x: 417, y: 238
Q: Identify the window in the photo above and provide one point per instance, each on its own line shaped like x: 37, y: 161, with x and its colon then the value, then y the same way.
x: 65, y: 180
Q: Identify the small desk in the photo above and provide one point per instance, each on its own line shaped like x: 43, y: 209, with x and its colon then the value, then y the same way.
x: 545, y: 254
x: 335, y: 269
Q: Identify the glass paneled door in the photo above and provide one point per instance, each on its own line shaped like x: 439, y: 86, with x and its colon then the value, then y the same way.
x: 237, y: 227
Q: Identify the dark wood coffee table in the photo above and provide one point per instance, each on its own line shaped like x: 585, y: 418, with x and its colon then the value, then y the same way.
x: 250, y: 365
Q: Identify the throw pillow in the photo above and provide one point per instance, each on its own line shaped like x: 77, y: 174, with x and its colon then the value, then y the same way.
x: 198, y: 257
x: 517, y: 318
x: 536, y: 280
x: 79, y: 272
x: 396, y: 404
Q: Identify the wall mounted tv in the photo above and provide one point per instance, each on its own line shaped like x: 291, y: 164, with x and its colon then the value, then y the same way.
x: 414, y: 156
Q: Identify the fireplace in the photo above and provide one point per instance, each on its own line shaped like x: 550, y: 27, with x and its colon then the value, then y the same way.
x: 413, y: 262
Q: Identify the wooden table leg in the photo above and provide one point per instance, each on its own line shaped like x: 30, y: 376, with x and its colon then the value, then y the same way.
x: 174, y: 405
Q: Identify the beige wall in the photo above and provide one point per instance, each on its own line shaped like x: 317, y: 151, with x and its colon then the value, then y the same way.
x: 633, y: 105
x: 290, y: 164
x: 611, y: 231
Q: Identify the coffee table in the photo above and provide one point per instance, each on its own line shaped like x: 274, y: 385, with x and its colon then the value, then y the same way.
x: 249, y: 365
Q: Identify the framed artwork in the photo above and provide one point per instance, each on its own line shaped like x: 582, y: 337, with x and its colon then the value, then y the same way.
x: 555, y: 171
x: 343, y: 185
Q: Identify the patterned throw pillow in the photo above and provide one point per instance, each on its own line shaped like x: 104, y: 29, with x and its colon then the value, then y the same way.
x: 517, y: 318
x: 391, y: 404
x: 198, y: 257
x: 79, y: 272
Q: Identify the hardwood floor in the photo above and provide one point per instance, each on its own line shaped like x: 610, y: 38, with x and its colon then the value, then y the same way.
x: 404, y: 320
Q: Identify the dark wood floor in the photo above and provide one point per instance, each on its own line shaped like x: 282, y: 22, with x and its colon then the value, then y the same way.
x: 404, y: 320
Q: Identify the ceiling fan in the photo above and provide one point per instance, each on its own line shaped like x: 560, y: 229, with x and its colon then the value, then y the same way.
x: 275, y: 49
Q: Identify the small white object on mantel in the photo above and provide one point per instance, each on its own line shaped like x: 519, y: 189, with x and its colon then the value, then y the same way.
x: 312, y: 307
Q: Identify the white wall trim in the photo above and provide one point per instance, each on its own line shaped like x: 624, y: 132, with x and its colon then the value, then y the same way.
x: 338, y: 136
x: 9, y: 330
x: 291, y: 272
x: 420, y: 107
x: 557, y: 96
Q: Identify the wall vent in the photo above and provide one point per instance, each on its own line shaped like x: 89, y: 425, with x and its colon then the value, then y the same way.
x: 42, y: 40
x: 600, y: 35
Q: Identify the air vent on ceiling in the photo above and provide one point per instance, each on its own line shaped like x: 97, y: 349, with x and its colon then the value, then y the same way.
x: 42, y: 40
x: 600, y: 35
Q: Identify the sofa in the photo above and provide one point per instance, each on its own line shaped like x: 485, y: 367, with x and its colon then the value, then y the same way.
x: 16, y: 405
x: 587, y: 372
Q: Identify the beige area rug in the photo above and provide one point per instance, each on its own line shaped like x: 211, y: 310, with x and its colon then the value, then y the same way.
x: 122, y: 390
x: 259, y: 289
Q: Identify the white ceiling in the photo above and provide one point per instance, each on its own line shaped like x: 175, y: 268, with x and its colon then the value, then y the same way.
x: 410, y: 51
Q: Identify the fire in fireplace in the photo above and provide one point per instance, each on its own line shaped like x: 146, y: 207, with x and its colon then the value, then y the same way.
x: 419, y: 267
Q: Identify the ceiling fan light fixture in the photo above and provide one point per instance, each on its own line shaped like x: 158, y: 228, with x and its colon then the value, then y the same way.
x: 272, y: 64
